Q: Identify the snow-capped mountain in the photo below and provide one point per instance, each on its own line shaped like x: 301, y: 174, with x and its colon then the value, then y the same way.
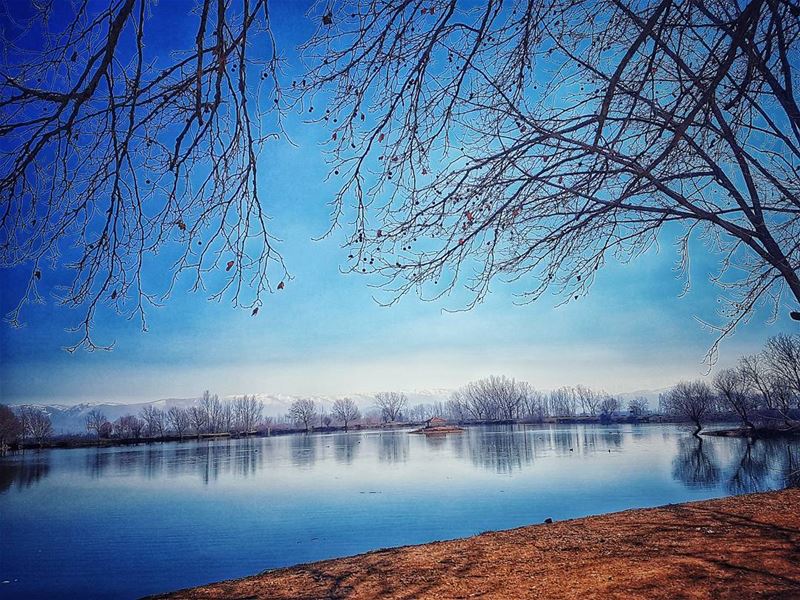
x: 68, y: 419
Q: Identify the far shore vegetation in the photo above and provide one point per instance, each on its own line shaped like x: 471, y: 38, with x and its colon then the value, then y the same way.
x: 760, y: 396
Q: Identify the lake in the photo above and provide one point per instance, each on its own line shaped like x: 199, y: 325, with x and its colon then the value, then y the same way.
x: 129, y: 521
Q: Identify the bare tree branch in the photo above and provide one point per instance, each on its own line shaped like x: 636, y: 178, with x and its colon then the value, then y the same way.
x: 112, y: 154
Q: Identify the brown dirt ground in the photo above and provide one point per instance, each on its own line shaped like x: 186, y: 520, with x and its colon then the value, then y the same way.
x: 742, y: 547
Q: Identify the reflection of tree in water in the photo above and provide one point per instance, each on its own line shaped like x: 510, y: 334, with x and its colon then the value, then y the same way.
x: 505, y: 448
x: 23, y: 473
x: 612, y: 439
x: 791, y: 467
x: 303, y: 449
x: 97, y: 462
x: 564, y: 441
x: 584, y: 440
x: 153, y: 462
x: 502, y: 449
x: 460, y: 443
x: 436, y: 442
x: 127, y: 462
x: 752, y: 472
x: 209, y: 460
x: 345, y: 447
x: 759, y: 465
x: 248, y: 457
x: 393, y: 447
x: 695, y: 464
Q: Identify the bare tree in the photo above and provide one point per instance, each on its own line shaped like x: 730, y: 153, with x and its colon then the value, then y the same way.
x: 39, y: 425
x: 154, y: 420
x: 178, y: 419
x: 105, y: 430
x: 303, y: 411
x: 785, y: 399
x: 510, y: 395
x: 731, y: 385
x: 345, y: 411
x: 782, y: 353
x: 213, y: 411
x: 468, y: 403
x: 691, y: 400
x: 456, y: 409
x: 638, y: 406
x: 391, y: 405
x: 129, y: 426
x: 420, y: 412
x: 757, y: 377
x: 137, y: 426
x: 198, y: 419
x: 536, y: 140
x: 10, y: 427
x: 535, y: 405
x: 494, y: 398
x: 226, y: 417
x: 589, y: 399
x: 94, y: 421
x: 608, y: 406
x: 264, y: 425
x: 118, y: 151
x: 563, y: 401
x: 247, y: 413
x: 325, y: 419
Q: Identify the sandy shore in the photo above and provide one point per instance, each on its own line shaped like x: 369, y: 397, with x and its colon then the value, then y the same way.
x: 742, y: 547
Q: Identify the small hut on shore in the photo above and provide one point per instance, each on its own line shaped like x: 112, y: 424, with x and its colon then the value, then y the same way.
x: 436, y: 425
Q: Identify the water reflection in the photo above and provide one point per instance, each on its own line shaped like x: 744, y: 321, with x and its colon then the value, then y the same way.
x: 22, y: 474
x: 209, y: 460
x: 345, y: 447
x: 272, y: 502
x: 695, y: 464
x: 754, y: 465
x: 303, y: 449
x: 734, y: 465
x: 502, y: 450
x: 393, y: 447
x: 508, y: 448
x: 752, y: 472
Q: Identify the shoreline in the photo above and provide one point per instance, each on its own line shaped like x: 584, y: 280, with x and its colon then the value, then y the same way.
x: 736, y: 547
x: 78, y: 441
x: 758, y: 433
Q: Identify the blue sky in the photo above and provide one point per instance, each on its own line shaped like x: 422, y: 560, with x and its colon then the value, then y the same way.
x: 325, y: 333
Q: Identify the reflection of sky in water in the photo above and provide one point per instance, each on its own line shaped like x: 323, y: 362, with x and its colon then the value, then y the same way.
x: 171, y: 515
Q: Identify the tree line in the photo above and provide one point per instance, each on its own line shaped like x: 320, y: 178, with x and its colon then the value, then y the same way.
x: 761, y: 390
x: 24, y: 424
x: 242, y: 415
x: 495, y: 398
x: 388, y: 407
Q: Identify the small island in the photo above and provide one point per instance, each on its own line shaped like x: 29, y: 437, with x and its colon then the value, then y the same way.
x: 438, y: 426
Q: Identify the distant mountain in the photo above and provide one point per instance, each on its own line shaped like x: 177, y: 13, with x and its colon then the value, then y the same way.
x: 650, y: 395
x: 72, y: 419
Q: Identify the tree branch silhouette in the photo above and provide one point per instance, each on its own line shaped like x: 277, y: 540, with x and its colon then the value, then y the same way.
x: 531, y: 141
x: 111, y: 154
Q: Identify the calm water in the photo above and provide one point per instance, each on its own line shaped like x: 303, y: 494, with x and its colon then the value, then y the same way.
x: 124, y: 522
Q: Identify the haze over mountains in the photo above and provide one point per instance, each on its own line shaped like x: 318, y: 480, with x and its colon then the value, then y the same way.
x: 71, y: 419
